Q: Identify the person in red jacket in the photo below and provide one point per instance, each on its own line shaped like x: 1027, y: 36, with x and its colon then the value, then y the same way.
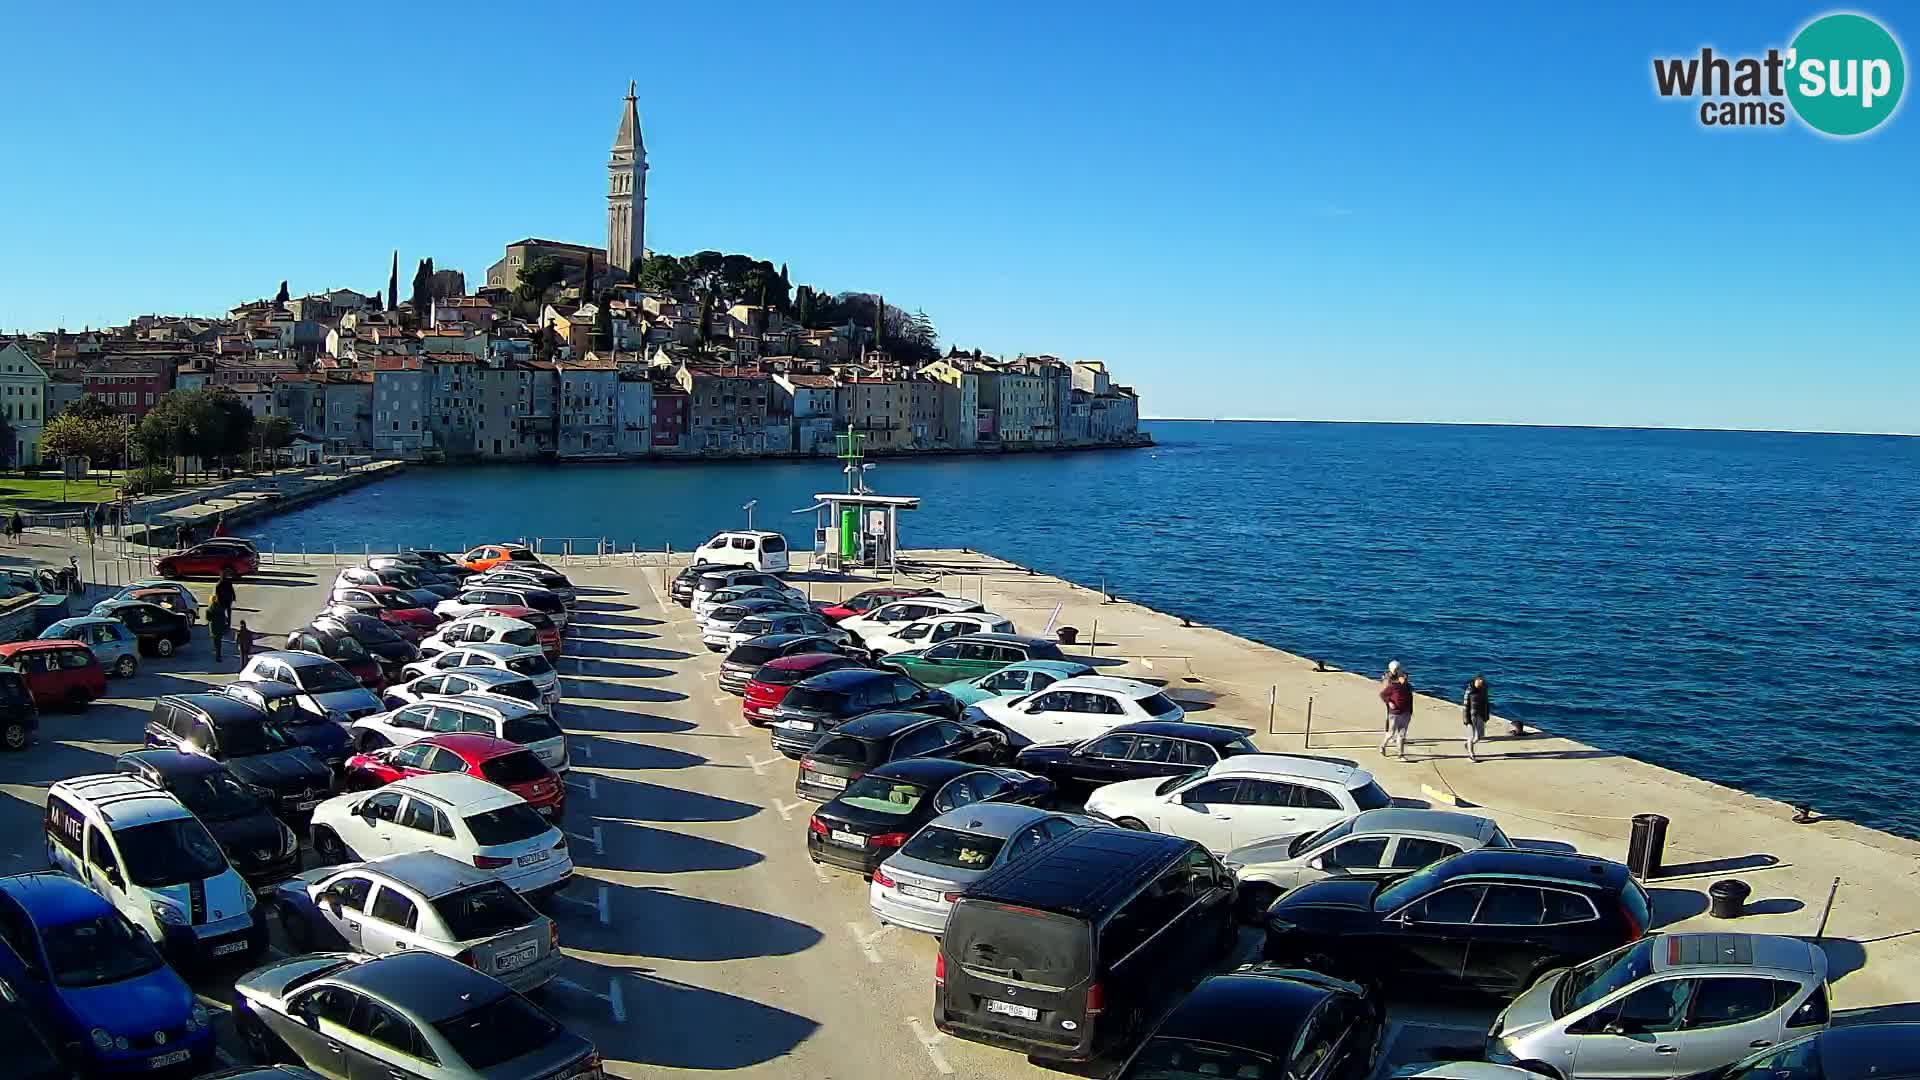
x: 1396, y: 692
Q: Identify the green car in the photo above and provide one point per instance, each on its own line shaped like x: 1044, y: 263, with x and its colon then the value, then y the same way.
x: 1015, y: 679
x: 969, y: 656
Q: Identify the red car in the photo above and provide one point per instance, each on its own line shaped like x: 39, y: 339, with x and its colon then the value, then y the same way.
x: 771, y: 683
x: 862, y: 602
x: 57, y: 671
x: 391, y: 606
x: 210, y: 559
x: 496, y: 761
x: 542, y: 623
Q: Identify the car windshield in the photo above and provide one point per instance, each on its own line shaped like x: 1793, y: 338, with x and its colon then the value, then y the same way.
x: 160, y: 854
x: 521, y: 767
x: 507, y: 825
x: 521, y: 689
x: 217, y: 796
x: 1319, y: 839
x: 1172, y: 782
x: 372, y: 630
x: 752, y: 654
x: 481, y: 911
x: 712, y: 583
x: 883, y: 795
x: 951, y: 847
x: 1370, y: 796
x: 529, y: 665
x: 243, y: 738
x: 97, y: 951
x: 1158, y: 705
x: 1601, y: 976
x: 342, y: 647
x: 1406, y: 890
x: 726, y: 615
x: 503, y: 1029
x: 394, y: 601
x: 754, y: 625
x: 529, y: 729
x: 521, y: 635
x: 806, y: 697
x: 1170, y: 1058
x: 326, y: 678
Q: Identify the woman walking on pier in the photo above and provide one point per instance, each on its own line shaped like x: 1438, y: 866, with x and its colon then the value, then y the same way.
x: 1476, y: 707
x: 1396, y: 691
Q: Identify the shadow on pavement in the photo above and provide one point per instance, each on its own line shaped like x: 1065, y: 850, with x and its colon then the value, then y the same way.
x: 600, y: 690
x: 659, y: 924
x: 1844, y: 957
x: 604, y: 753
x: 635, y: 848
x: 601, y: 718
x: 1673, y: 905
x: 596, y: 618
x: 641, y: 801
x: 1719, y: 866
x: 580, y: 667
x: 680, y: 1026
x: 1776, y: 905
x: 599, y: 649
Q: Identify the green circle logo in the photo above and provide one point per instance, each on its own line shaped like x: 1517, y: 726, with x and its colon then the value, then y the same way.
x: 1846, y: 74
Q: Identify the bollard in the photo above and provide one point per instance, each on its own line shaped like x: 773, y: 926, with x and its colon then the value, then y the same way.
x: 1306, y: 740
x: 1831, y: 893
x: 1273, y: 697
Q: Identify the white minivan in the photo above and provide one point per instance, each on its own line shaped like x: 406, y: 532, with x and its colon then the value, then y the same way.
x: 752, y: 548
x: 140, y: 848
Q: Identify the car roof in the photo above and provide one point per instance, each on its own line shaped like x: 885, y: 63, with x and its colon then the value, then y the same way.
x: 1025, y: 641
x: 505, y: 708
x: 927, y: 771
x: 217, y: 706
x: 774, y: 641
x: 952, y: 605
x: 799, y: 661
x: 51, y: 898
x: 1085, y: 873
x: 1578, y: 870
x: 1771, y: 951
x: 1132, y: 688
x: 465, y: 793
x: 1288, y: 765
x: 489, y: 620
x: 879, y: 725
x: 174, y: 762
x: 1259, y: 1007
x: 266, y: 688
x: 430, y: 986
x: 86, y: 620
x: 1001, y: 819
x: 295, y: 658
x: 473, y: 746
x: 38, y: 645
x: 1214, y: 734
x: 429, y: 872
x: 121, y: 799
x: 490, y: 676
x: 505, y: 650
x: 1409, y: 819
x: 845, y: 678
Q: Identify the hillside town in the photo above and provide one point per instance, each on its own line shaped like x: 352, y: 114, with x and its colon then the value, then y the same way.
x: 578, y: 353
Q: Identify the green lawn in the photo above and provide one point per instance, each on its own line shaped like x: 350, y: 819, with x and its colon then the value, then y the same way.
x: 43, y: 494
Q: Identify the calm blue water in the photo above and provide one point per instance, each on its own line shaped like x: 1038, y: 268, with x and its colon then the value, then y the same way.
x: 1739, y: 606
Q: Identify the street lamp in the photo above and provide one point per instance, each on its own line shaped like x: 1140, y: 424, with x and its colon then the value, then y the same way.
x: 751, y: 503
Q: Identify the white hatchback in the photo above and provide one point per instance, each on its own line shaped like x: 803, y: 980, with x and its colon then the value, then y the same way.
x: 1242, y: 799
x: 1077, y: 708
x: 527, y: 660
x: 935, y: 629
x: 895, y: 614
x: 460, y: 816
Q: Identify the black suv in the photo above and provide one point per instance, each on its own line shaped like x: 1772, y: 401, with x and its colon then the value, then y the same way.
x: 876, y: 738
x: 1493, y: 920
x: 681, y: 590
x: 262, y: 849
x: 817, y: 705
x: 1135, y: 751
x: 746, y: 659
x: 1069, y: 952
x: 1279, y: 1021
x: 393, y: 651
x: 258, y: 751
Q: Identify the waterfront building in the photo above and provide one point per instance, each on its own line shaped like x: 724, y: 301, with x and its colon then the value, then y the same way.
x: 1021, y: 403
x: 1090, y: 376
x: 627, y: 190
x: 634, y: 410
x: 817, y: 406
x: 399, y: 408
x: 346, y: 409
x: 959, y: 390
x: 923, y: 413
x: 586, y: 401
x: 23, y: 400
x: 727, y: 407
x: 129, y: 386
x: 63, y: 389
x: 877, y: 407
x: 670, y: 408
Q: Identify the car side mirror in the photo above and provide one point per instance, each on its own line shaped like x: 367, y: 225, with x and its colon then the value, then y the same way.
x: 113, y: 875
x: 1318, y: 862
x: 1030, y: 707
x: 366, y: 812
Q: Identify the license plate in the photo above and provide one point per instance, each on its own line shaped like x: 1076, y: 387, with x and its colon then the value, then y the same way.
x: 847, y: 838
x: 546, y: 811
x: 797, y: 725
x: 536, y: 857
x: 919, y: 893
x: 1008, y: 1008
x: 826, y: 781
x: 228, y: 949
x: 306, y: 804
x: 177, y: 1057
x: 518, y: 958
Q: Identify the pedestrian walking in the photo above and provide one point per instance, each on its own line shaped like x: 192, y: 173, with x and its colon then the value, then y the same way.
x: 244, y: 638
x: 218, y: 619
x: 220, y: 525
x: 15, y: 526
x: 223, y: 593
x: 1476, y: 708
x: 1396, y: 692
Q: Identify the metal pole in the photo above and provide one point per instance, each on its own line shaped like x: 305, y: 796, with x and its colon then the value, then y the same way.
x: 1095, y: 643
x: 1273, y: 696
x: 1307, y: 739
x: 1831, y: 893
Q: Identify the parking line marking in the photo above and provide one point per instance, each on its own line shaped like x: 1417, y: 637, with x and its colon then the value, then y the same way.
x: 734, y: 729
x: 760, y: 767
x: 786, y: 809
x: 708, y: 674
x: 598, y: 848
x: 866, y: 941
x: 930, y: 1042
x: 615, y: 1001
x: 724, y: 699
x: 820, y: 873
x: 606, y: 910
x: 590, y: 787
x: 214, y: 1003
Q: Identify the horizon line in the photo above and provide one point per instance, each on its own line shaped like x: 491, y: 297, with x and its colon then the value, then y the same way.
x: 1524, y: 424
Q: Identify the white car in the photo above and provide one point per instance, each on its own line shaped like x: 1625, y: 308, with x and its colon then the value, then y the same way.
x: 527, y: 660
x: 478, y: 628
x: 935, y: 629
x: 327, y: 690
x: 1242, y: 800
x: 502, y: 718
x: 1373, y: 844
x: 1077, y: 708
x: 898, y: 613
x: 477, y: 599
x: 460, y: 816
x: 786, y: 595
x: 486, y: 681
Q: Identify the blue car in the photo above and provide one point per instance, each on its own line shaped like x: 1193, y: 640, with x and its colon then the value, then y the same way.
x: 108, y: 1000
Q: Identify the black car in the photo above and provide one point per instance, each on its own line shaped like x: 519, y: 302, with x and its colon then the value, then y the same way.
x: 823, y: 702
x: 1262, y: 1020
x: 19, y: 716
x: 328, y: 739
x: 873, y: 739
x: 878, y: 812
x: 393, y: 651
x: 258, y: 845
x: 1134, y: 751
x: 439, y: 562
x: 1492, y: 919
x: 258, y: 750
x: 263, y: 1072
x: 1069, y: 952
x: 681, y: 591
x: 159, y: 630
x: 738, y: 669
x: 1888, y: 1051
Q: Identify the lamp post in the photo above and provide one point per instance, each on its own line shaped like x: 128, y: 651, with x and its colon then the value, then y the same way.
x: 751, y: 503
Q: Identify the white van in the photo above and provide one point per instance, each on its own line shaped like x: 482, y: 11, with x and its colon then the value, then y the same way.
x: 140, y: 848
x: 755, y: 549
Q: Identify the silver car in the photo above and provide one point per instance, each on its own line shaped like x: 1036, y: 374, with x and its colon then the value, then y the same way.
x: 527, y: 660
x: 1667, y: 1005
x: 328, y: 691
x: 1373, y: 843
x: 916, y: 886
x: 421, y: 900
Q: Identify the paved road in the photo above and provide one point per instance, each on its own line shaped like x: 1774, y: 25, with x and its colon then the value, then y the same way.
x: 699, y: 936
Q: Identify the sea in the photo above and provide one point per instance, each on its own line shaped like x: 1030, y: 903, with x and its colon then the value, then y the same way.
x: 1740, y: 606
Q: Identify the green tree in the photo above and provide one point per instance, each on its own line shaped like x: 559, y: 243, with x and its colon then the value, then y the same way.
x: 538, y: 276
x: 602, y: 327
x: 662, y: 273
x: 706, y: 313
x: 6, y: 440
x: 803, y: 306
x: 88, y: 407
x: 280, y: 298
x: 99, y: 439
x: 422, y: 299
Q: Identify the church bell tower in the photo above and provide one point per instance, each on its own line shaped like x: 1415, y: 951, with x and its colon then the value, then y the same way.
x: 627, y: 191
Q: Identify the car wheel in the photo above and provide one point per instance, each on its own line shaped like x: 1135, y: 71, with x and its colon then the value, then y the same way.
x: 329, y: 848
x: 1542, y: 1068
x: 1131, y: 823
x: 1253, y: 900
x: 16, y: 736
x: 163, y: 647
x: 262, y: 1045
x: 126, y: 667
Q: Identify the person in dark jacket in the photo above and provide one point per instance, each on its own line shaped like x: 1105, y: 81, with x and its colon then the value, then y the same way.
x: 244, y: 638
x: 223, y: 593
x: 218, y: 618
x: 1396, y: 692
x: 1476, y: 707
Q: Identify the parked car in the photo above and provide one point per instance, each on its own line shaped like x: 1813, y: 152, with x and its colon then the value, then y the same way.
x: 46, y: 589
x: 159, y: 631
x: 280, y: 704
x: 399, y: 610
x: 491, y: 682
x: 429, y: 575
x: 19, y: 717
x: 934, y: 630
x: 1242, y: 799
x: 822, y: 702
x: 873, y: 739
x: 258, y: 844
x: 862, y: 602
x: 769, y: 683
x: 214, y: 558
x: 421, y: 900
x: 717, y: 631
x: 895, y: 614
x: 1263, y: 1020
x: 342, y: 648
x: 487, y: 556
x: 391, y: 648
x: 1886, y: 1051
x: 526, y: 575
x: 108, y: 639
x: 105, y: 994
x: 721, y: 578
x: 174, y: 600
x: 400, y: 574
x: 1078, y: 708
x: 30, y: 1046
x: 156, y: 863
x: 873, y: 818
x: 544, y: 628
x: 680, y: 589
x: 526, y: 661
x: 916, y: 886
x: 459, y: 816
x: 746, y: 659
x: 476, y: 629
x: 327, y: 690
x: 1373, y: 843
x: 505, y: 718
x: 789, y: 599
x: 440, y: 562
x: 1015, y: 680
x: 188, y: 601
x: 969, y: 656
x: 1492, y: 920
x: 258, y: 750
x: 489, y: 757
x: 423, y: 1007
x: 1069, y: 953
x: 1151, y: 748
x: 763, y: 623
x: 475, y: 599
x: 756, y: 548
x: 59, y: 672
x: 398, y: 580
x: 1666, y: 1005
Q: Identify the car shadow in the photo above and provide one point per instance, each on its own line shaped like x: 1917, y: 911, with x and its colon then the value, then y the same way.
x: 630, y: 847
x: 604, y: 619
x: 1675, y: 905
x: 582, y: 667
x: 683, y: 1026
x: 578, y: 632
x: 597, y: 606
x: 577, y: 717
x: 1844, y: 956
x: 657, y: 923
x: 605, y: 753
x: 597, y: 649
x: 641, y: 801
x: 600, y: 690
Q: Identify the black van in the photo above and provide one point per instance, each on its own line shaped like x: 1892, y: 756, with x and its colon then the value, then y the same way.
x: 1073, y: 952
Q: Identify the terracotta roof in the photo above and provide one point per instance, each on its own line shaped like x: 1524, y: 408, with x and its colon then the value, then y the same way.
x: 813, y: 382
x: 450, y: 357
x: 396, y: 363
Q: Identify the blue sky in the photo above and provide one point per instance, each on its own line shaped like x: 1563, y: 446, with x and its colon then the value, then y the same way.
x: 1384, y: 214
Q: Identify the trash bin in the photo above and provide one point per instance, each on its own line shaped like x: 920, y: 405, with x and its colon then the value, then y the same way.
x: 1648, y: 843
x: 1728, y: 898
x: 1069, y: 635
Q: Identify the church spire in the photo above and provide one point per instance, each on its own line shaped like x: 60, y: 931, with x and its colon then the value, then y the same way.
x: 628, y: 138
x: 627, y: 192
